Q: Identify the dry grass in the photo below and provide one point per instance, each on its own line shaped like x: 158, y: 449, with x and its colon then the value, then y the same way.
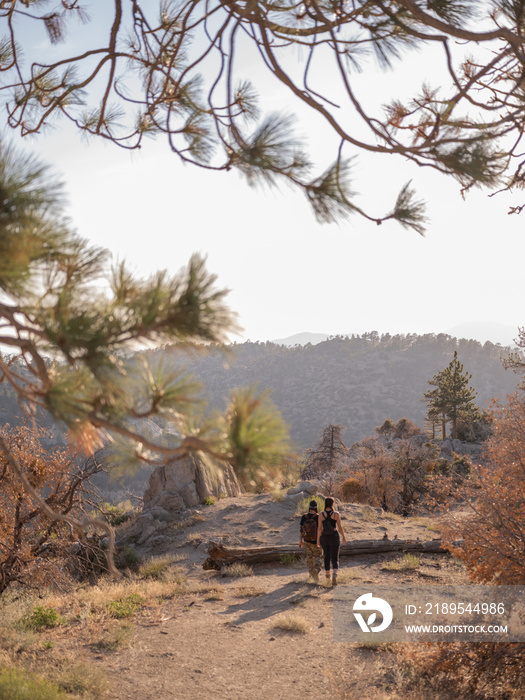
x: 348, y: 575
x: 91, y: 602
x: 237, y: 570
x: 116, y: 638
x: 98, y: 615
x: 394, y: 674
x: 158, y: 567
x: 278, y: 495
x: 39, y: 673
x: 409, y: 562
x: 289, y: 622
x: 17, y: 683
x: 81, y: 680
x: 195, y: 538
x: 375, y: 646
x: 187, y: 522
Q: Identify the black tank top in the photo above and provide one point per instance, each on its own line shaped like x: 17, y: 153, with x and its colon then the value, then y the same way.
x: 333, y: 521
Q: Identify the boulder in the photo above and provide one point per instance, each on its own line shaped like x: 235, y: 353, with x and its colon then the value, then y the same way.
x: 187, y: 481
x: 148, y: 532
x: 295, y: 497
x: 160, y: 513
x: 450, y: 447
x: 306, y: 486
x: 471, y: 449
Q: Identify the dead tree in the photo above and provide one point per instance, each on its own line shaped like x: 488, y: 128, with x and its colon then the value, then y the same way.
x: 220, y: 556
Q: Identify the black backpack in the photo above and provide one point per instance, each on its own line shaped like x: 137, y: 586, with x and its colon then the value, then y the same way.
x: 329, y: 527
x: 309, y: 528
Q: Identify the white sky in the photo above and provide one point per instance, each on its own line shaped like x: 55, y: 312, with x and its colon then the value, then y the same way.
x: 287, y: 274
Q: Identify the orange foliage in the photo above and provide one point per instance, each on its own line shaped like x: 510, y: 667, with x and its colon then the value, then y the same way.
x: 85, y: 437
x: 353, y: 491
x: 493, y: 534
x: 476, y: 670
x: 28, y: 539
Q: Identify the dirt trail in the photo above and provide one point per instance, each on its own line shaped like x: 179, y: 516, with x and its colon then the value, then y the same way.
x: 220, y: 641
x: 228, y: 648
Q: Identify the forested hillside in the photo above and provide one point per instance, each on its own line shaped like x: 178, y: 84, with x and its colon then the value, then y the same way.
x: 357, y: 381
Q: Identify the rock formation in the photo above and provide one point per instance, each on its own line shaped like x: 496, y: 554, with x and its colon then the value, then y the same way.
x: 175, y: 487
x: 185, y: 482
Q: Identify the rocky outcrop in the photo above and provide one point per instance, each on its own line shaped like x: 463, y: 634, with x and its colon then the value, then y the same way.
x: 450, y: 447
x: 302, y: 490
x: 186, y: 482
x: 174, y: 488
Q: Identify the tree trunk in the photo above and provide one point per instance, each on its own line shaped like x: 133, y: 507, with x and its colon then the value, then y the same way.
x: 220, y: 556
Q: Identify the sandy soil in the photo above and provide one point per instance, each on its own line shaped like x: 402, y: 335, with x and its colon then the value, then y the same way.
x: 220, y: 640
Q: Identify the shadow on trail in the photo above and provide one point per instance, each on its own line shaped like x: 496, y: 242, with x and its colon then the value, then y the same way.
x: 282, y: 599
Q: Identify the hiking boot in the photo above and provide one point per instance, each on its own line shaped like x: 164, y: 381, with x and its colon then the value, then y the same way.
x: 334, y: 580
x: 315, y: 577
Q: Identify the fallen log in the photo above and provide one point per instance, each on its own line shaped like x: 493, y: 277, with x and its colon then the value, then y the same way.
x: 220, y: 556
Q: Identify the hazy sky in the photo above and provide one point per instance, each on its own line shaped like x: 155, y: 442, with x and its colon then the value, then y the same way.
x: 287, y: 274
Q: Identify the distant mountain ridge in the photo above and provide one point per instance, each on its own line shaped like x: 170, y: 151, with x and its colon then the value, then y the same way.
x: 302, y: 339
x: 482, y: 331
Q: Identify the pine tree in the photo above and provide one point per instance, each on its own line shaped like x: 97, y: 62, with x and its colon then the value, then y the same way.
x: 256, y: 436
x: 184, y: 71
x: 436, y: 411
x: 452, y: 399
x: 70, y: 321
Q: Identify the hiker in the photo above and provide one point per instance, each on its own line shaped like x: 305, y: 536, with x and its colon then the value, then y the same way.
x: 328, y: 538
x: 308, y: 537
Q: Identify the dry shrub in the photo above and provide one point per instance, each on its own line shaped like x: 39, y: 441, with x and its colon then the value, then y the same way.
x: 291, y: 623
x: 237, y: 570
x: 493, y: 547
x: 17, y: 683
x: 493, y: 550
x: 158, y: 567
x: 484, y: 671
x: 380, y: 483
x: 33, y: 547
x: 81, y: 680
x: 114, y: 639
x: 353, y: 491
x: 392, y: 476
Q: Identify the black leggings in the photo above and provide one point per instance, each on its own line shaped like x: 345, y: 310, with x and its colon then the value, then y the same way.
x: 330, y: 545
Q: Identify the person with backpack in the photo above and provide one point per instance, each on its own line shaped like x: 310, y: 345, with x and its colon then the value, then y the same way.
x: 308, y: 537
x: 328, y: 538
